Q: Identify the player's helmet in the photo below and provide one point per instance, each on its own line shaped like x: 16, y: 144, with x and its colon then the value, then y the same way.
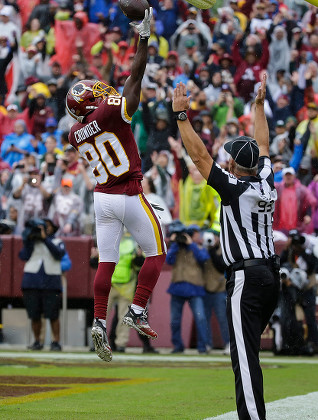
x: 85, y: 96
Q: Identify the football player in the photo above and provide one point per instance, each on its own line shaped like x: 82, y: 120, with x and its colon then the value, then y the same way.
x: 103, y: 136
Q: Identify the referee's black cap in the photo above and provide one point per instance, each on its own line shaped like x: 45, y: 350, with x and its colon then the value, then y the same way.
x: 244, y: 151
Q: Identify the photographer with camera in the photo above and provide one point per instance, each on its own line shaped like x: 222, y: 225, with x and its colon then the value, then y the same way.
x: 41, y: 282
x: 299, y: 288
x: 214, y: 280
x: 187, y: 257
x: 32, y: 195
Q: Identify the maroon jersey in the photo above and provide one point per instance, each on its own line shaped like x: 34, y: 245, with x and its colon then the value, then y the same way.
x: 106, y: 141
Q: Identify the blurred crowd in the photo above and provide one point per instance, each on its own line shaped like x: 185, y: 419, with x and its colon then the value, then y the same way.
x: 220, y: 54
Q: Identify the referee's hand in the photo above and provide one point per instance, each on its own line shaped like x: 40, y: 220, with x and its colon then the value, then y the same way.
x: 261, y: 93
x: 181, y: 101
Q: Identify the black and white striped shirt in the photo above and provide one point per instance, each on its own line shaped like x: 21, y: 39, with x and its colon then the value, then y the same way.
x: 247, y: 209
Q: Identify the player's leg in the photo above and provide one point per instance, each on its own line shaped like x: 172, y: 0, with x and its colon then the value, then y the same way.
x: 143, y: 224
x: 108, y: 231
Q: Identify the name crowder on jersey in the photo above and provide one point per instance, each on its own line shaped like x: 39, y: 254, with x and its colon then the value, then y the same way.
x: 87, y: 131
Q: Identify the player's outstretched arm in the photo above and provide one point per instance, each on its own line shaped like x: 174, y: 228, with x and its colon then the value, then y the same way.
x: 261, y: 132
x: 194, y: 145
x: 133, y: 83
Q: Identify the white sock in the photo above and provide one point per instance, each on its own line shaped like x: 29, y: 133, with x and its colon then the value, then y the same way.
x: 137, y: 309
x: 103, y: 322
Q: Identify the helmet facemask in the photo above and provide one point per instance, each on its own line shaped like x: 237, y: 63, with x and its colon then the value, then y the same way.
x: 87, y: 97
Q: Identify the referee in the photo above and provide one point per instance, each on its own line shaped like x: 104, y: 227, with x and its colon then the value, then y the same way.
x: 248, y: 197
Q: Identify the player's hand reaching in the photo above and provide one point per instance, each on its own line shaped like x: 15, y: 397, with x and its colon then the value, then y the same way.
x: 181, y: 101
x: 143, y: 28
x: 261, y: 93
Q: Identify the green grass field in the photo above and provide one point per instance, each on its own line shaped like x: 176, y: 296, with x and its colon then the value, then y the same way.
x: 142, y: 388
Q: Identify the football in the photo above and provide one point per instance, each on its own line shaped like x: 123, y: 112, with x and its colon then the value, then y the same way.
x: 134, y: 9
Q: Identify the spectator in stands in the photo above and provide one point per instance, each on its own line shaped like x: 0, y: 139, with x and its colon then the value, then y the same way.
x: 226, y: 107
x: 213, y: 90
x: 47, y: 170
x: 41, y: 283
x: 53, y: 100
x: 186, y: 255
x: 52, y: 130
x: 34, y: 30
x: 84, y: 186
x: 6, y: 55
x: 12, y: 219
x: 158, y: 121
x: 32, y: 195
x: 8, y: 28
x: 295, y: 204
x: 187, y: 37
x: 16, y: 144
x: 72, y: 34
x: 163, y: 45
x: 192, y: 53
x: 121, y: 58
x: 197, y: 123
x: 279, y: 52
x: 29, y: 63
x: 56, y: 71
x: 43, y: 13
x: 227, y: 25
x: 248, y: 72
x: 312, y: 111
x: 97, y: 9
x: 37, y: 113
x: 4, y: 191
x: 259, y: 20
x: 198, y: 202
x: 282, y: 109
x: 7, y: 120
x: 313, y: 188
x: 43, y: 70
x: 167, y: 13
x: 153, y: 56
x: 160, y: 173
x: 241, y: 17
x: 280, y: 144
x: 66, y: 210
x: 209, y: 130
x: 198, y: 104
x: 52, y: 146
x: 71, y: 157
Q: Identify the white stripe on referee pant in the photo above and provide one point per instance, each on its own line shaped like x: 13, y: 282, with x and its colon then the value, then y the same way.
x: 241, y: 351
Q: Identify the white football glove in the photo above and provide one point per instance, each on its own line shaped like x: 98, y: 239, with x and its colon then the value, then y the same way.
x: 143, y: 28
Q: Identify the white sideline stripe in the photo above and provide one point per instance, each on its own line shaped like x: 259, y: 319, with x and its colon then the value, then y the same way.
x: 291, y: 408
x: 76, y: 356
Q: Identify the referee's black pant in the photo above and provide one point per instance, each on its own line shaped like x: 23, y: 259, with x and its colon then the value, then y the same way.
x: 252, y: 298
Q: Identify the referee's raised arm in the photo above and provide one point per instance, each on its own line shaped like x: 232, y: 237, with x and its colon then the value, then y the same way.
x: 261, y: 132
x: 195, y: 147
